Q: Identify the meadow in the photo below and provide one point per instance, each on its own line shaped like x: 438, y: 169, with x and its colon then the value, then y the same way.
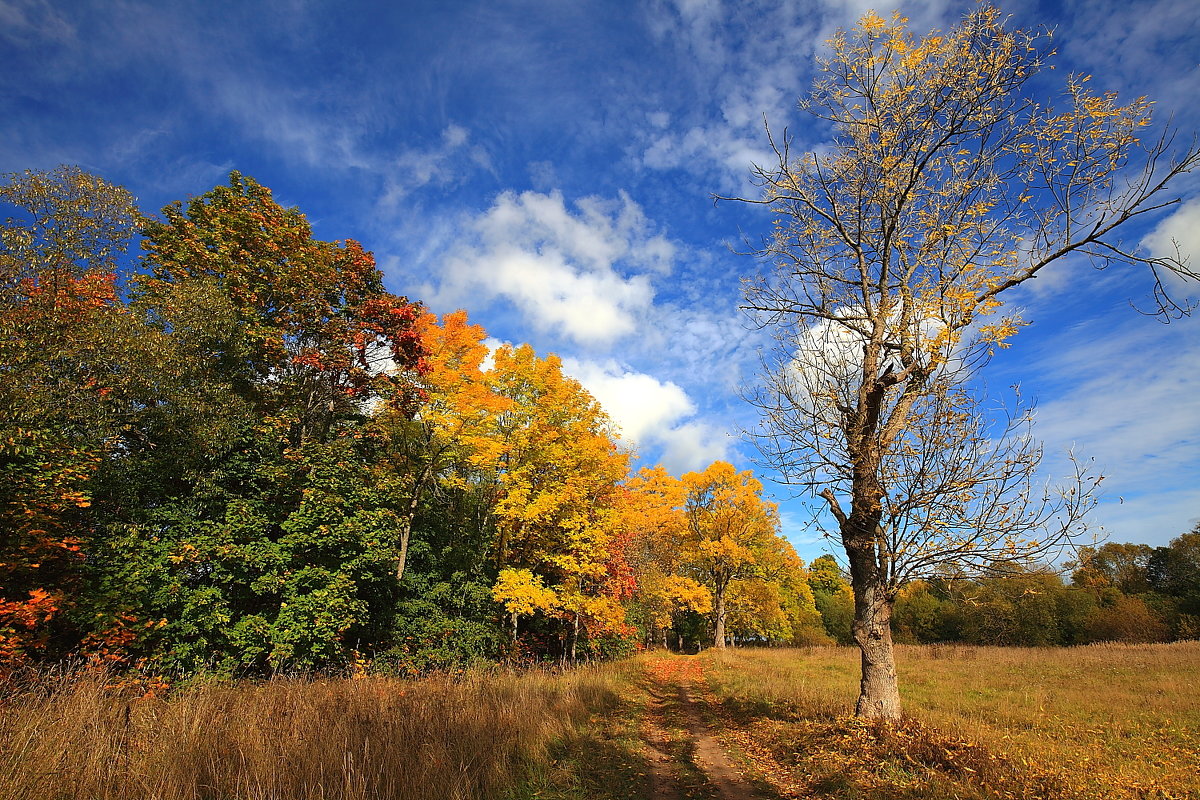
x: 1106, y: 720
x: 1112, y: 721
x: 77, y: 735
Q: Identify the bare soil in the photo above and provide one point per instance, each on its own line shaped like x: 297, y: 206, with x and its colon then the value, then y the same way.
x: 685, y: 757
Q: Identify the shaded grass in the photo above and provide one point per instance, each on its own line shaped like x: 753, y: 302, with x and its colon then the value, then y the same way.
x: 74, y: 736
x: 601, y: 756
x: 1120, y: 721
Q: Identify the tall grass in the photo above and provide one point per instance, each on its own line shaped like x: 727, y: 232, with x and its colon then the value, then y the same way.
x: 73, y: 736
x: 1106, y: 720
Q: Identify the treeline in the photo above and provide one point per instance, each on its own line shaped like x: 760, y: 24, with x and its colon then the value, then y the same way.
x: 1117, y: 593
x: 240, y: 453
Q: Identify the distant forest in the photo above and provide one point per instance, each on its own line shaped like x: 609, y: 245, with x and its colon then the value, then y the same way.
x: 239, y: 453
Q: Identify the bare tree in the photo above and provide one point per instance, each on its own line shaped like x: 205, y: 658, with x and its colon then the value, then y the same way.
x: 946, y: 187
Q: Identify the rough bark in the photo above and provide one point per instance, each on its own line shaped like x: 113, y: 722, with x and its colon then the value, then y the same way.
x: 879, y: 694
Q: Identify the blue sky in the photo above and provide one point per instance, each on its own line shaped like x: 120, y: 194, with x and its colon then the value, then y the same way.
x: 549, y: 165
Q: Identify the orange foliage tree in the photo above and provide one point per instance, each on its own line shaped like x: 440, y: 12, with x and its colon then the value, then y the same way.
x: 654, y: 511
x: 453, y: 438
x: 62, y: 370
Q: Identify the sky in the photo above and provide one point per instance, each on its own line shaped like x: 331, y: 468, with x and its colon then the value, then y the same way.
x: 550, y: 165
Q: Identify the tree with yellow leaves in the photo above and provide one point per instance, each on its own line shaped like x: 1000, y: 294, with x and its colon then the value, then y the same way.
x: 654, y: 514
x: 946, y: 186
x: 557, y: 489
x: 522, y: 593
x: 731, y: 534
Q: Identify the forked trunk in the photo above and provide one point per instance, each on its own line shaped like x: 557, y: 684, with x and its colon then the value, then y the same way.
x: 879, y: 695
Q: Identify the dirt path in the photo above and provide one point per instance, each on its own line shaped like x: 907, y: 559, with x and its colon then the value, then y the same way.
x: 685, y: 758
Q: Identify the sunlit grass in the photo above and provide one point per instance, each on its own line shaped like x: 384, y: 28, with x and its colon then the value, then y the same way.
x: 1100, y: 721
x: 71, y: 736
x: 1103, y: 720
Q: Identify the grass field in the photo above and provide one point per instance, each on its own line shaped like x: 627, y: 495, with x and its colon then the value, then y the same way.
x: 1056, y: 724
x: 1103, y: 721
x: 476, y: 736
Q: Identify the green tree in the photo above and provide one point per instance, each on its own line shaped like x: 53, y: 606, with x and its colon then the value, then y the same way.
x: 1123, y: 566
x: 1174, y: 570
x: 825, y: 575
x: 837, y: 613
x: 246, y: 511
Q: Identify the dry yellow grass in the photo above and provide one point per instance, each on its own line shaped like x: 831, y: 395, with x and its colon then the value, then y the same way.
x: 338, y: 739
x: 1119, y: 721
x: 1111, y: 721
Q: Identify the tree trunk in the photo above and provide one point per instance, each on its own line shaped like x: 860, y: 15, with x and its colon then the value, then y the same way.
x: 719, y: 619
x: 574, y: 637
x: 879, y: 695
x: 406, y: 521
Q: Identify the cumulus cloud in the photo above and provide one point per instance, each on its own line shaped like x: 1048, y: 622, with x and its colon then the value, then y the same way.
x: 653, y: 413
x: 1178, y: 236
x: 643, y: 406
x: 694, y: 445
x: 584, y: 272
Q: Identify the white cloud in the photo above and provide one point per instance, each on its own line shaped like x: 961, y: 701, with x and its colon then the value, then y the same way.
x: 643, y: 407
x: 1125, y: 45
x: 447, y: 163
x: 584, y: 272
x: 653, y: 414
x: 1178, y: 236
x: 743, y: 61
x: 749, y: 61
x: 1182, y: 228
x: 694, y: 445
